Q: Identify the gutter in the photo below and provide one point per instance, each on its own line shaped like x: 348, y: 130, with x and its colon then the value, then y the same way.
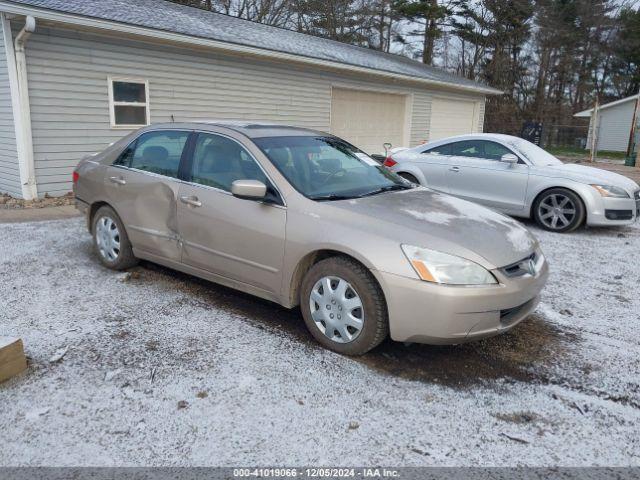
x: 73, y: 19
x: 17, y: 72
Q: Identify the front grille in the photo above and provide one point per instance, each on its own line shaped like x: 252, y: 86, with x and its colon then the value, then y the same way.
x: 618, y: 214
x: 508, y: 311
x: 510, y: 314
x: 636, y: 195
x: 521, y: 267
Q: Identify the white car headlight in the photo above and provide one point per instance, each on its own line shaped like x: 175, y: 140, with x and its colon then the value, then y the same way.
x: 611, y: 191
x: 438, y: 267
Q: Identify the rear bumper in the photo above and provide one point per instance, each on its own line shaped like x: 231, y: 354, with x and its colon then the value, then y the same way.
x: 83, y: 208
x: 424, y: 312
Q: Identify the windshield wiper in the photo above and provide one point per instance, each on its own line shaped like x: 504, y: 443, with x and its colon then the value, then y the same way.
x: 333, y: 196
x: 388, y: 188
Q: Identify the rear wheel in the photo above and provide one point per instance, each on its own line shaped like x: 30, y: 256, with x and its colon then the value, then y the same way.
x: 343, y: 306
x: 559, y: 210
x: 409, y: 177
x: 111, y: 241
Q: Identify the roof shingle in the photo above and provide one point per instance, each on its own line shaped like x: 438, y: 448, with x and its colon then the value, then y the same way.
x: 171, y: 17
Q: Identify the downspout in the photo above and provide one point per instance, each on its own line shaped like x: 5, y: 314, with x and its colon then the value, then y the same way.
x: 25, y: 152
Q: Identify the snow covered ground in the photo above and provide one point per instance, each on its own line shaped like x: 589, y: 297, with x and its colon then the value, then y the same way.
x: 160, y: 368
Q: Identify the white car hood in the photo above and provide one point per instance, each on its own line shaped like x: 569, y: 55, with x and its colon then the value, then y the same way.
x: 591, y: 175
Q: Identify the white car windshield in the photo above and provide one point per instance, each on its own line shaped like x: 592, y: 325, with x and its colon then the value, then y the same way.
x: 536, y: 155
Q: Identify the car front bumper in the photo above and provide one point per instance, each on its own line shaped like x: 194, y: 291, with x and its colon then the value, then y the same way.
x: 613, y: 211
x: 436, y: 314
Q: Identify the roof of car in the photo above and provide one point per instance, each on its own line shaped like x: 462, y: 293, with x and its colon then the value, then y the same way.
x: 164, y: 16
x: 247, y: 128
x: 474, y: 136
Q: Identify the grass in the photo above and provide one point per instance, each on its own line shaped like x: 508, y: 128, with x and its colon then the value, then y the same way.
x: 581, y: 152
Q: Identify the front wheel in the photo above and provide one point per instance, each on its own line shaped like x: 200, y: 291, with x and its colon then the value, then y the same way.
x: 343, y: 306
x: 559, y: 210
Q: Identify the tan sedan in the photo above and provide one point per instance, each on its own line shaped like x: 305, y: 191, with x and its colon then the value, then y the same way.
x: 303, y: 218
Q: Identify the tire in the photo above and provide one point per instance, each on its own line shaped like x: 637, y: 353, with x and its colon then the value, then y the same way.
x: 409, y: 177
x: 559, y: 210
x: 105, y: 227
x: 346, y: 337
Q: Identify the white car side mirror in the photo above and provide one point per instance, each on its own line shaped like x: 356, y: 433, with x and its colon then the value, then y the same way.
x: 509, y: 158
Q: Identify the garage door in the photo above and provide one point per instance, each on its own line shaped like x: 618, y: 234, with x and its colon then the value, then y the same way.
x: 451, y: 117
x: 368, y: 119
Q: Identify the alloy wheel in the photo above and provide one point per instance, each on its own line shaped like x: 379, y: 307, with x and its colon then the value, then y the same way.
x: 336, y: 309
x: 108, y: 239
x: 556, y: 211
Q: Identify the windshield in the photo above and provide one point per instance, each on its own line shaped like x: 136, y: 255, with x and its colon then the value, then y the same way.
x: 327, y: 168
x: 536, y: 155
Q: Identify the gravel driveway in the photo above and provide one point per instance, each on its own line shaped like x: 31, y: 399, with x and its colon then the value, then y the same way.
x: 164, y: 369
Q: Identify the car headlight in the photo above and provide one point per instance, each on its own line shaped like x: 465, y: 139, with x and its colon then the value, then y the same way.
x: 438, y: 267
x: 611, y: 191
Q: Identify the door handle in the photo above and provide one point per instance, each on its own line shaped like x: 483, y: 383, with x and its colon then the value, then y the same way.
x: 193, y: 201
x: 454, y: 169
x: 118, y: 180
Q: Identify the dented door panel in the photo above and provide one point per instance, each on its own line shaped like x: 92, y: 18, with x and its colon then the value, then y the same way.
x: 146, y: 203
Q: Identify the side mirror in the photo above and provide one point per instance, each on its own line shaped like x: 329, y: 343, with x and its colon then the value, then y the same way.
x: 509, y: 158
x: 249, y: 189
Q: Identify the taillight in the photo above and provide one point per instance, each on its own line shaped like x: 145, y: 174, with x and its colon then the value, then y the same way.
x: 389, y: 162
x: 75, y: 176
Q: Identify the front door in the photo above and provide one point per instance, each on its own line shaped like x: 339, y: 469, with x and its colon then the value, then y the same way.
x: 476, y: 173
x: 242, y: 240
x: 142, y: 187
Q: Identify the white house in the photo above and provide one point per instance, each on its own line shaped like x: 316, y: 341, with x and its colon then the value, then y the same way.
x: 76, y: 75
x: 614, y: 122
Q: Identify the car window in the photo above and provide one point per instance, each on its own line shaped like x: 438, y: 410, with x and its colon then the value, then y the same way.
x: 494, y: 151
x: 469, y: 148
x: 439, y: 150
x: 219, y: 161
x: 157, y: 152
x: 326, y: 167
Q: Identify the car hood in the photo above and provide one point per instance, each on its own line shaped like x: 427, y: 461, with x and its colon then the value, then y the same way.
x: 425, y: 218
x: 589, y: 175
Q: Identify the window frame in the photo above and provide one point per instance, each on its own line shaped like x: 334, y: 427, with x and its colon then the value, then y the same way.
x: 113, y: 103
x: 190, y: 157
x: 429, y: 151
x: 184, y: 157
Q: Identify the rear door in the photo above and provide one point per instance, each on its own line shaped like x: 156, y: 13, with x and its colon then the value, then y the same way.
x: 477, y: 174
x: 142, y: 186
x: 238, y: 239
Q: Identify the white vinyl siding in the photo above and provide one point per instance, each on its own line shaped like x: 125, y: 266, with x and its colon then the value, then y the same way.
x: 9, y: 169
x: 614, y: 127
x: 68, y: 72
x: 420, y: 119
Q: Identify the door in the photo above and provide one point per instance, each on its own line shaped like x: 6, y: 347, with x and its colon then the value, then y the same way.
x: 238, y: 239
x: 434, y: 163
x: 142, y: 187
x: 477, y: 174
x: 368, y: 119
x: 451, y: 117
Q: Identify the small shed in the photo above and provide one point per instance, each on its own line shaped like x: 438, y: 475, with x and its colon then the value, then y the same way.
x: 614, y: 124
x: 77, y: 75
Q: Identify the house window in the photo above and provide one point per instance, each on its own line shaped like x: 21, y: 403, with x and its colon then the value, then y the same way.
x: 128, y: 102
